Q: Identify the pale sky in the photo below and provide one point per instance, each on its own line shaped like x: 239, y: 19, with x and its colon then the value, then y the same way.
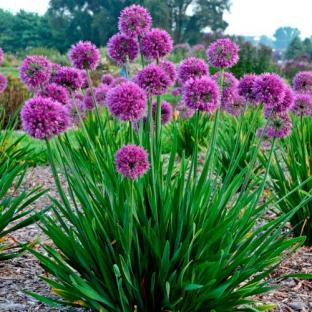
x: 247, y: 17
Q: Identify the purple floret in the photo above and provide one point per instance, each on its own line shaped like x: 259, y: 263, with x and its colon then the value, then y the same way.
x: 192, y: 67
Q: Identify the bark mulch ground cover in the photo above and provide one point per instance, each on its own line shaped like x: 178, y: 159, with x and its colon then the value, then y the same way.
x: 23, y: 273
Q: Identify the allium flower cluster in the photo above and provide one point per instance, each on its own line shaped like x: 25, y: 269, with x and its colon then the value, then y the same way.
x: 100, y: 93
x: 118, y: 81
x: 177, y: 92
x: 35, y: 71
x: 192, y: 67
x: 169, y: 68
x: 122, y: 49
x: 84, y: 55
x: 55, y: 92
x: 245, y: 87
x: 201, y: 94
x: 107, y: 79
x: 3, y: 83
x: 281, y: 107
x: 279, y: 126
x: 76, y: 110
x: 84, y: 79
x: 134, y: 21
x: 1, y: 56
x: 223, y: 53
x: 153, y: 80
x: 156, y: 44
x: 302, y: 105
x: 43, y: 118
x: 236, y: 106
x: 127, y: 101
x: 269, y: 89
x: 166, y: 112
x: 302, y: 82
x: 184, y: 111
x: 68, y: 77
x: 229, y: 87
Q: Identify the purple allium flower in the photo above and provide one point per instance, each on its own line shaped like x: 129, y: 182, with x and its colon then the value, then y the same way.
x: 198, y: 47
x: 302, y: 82
x: 118, y: 81
x: 54, y: 69
x: 84, y: 79
x: 84, y: 55
x: 269, y: 89
x: 134, y: 21
x: 107, y: 79
x: 68, y: 77
x: 76, y: 110
x: 279, y: 126
x: 223, y: 53
x: 302, y: 105
x: 201, y: 93
x: 153, y: 80
x: 100, y: 93
x: 283, y: 106
x: 177, y: 92
x: 35, y: 71
x: 245, y: 87
x: 132, y: 161
x: 1, y: 56
x: 127, y: 101
x: 55, y: 92
x: 156, y: 44
x: 44, y: 118
x: 169, y: 68
x: 166, y: 112
x: 229, y: 87
x: 184, y: 111
x: 122, y: 49
x: 88, y: 100
x: 3, y: 83
x: 192, y: 67
x: 236, y: 106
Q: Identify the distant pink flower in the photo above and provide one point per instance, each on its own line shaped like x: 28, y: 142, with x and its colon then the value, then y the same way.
x: 184, y: 111
x: 302, y: 82
x: 177, y: 92
x: 35, y: 71
x: 44, y: 118
x: 156, y: 44
x: 279, y: 126
x: 122, y: 49
x: 107, y: 79
x: 84, y: 79
x: 201, y: 94
x: 3, y: 83
x: 235, y: 106
x: 118, y: 81
x: 84, y: 55
x: 166, y: 112
x: 192, y: 67
x: 127, y: 101
x: 223, y: 53
x: 302, y: 105
x: 134, y: 21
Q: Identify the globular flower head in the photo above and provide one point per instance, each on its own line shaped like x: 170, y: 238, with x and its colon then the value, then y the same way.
x: 132, y: 161
x: 229, y: 87
x: 166, y: 112
x: 279, y: 125
x: 153, y: 80
x: 3, y: 83
x: 107, y: 79
x: 122, y: 49
x: 235, y: 106
x: 184, y: 111
x: 118, y: 81
x: 177, y: 92
x: 134, y: 21
x: 44, y: 118
x: 223, y: 53
x: 302, y: 105
x: 76, y: 109
x: 35, y: 71
x: 302, y: 82
x: 156, y: 44
x: 169, y: 68
x: 1, y: 56
x: 127, y: 101
x: 201, y: 94
x: 84, y: 79
x: 283, y: 106
x: 100, y: 93
x: 84, y: 55
x: 269, y: 89
x: 55, y: 92
x: 245, y: 87
x: 192, y: 67
x: 88, y: 101
x: 68, y: 77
